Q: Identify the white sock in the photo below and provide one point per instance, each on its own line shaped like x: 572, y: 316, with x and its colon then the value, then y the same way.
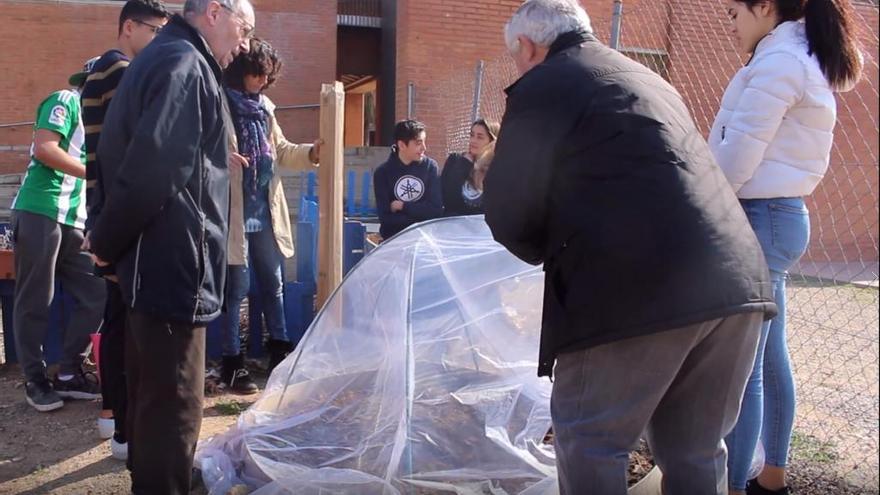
x: 65, y: 378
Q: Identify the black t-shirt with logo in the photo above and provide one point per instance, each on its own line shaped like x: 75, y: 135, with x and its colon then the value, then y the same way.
x: 416, y: 184
x: 460, y: 197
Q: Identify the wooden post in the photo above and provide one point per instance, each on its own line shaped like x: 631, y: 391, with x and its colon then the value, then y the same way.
x: 330, y: 190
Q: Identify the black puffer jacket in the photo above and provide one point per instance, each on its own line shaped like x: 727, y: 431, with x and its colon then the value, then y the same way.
x: 601, y: 174
x: 163, y: 155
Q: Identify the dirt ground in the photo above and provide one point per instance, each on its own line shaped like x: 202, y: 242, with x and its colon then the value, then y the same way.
x: 834, y: 345
x: 60, y: 452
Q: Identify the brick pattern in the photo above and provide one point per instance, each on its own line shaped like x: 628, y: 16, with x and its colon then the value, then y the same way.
x: 435, y: 40
x: 439, y: 44
x: 51, y: 40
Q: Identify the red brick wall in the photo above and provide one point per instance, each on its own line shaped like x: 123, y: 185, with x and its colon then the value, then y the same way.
x: 439, y: 43
x: 304, y: 32
x: 439, y: 39
x: 47, y: 41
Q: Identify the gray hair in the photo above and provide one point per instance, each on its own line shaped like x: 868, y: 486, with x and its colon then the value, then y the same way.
x: 200, y: 6
x: 542, y: 21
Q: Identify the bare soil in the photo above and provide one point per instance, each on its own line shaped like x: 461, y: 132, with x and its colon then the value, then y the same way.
x: 834, y: 345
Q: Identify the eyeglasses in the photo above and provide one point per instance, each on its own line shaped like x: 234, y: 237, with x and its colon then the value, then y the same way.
x: 154, y: 28
x: 245, y: 29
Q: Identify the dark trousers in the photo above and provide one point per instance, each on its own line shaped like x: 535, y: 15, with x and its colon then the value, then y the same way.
x: 45, y: 251
x: 165, y: 366
x: 113, y: 389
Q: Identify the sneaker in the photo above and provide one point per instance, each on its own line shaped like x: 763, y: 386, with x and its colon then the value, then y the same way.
x: 106, y: 427
x: 755, y: 488
x: 42, y: 397
x: 119, y: 450
x: 81, y: 386
x: 236, y: 377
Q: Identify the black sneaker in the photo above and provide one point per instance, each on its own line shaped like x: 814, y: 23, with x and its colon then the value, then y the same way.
x: 42, y: 397
x: 81, y: 386
x: 235, y: 376
x: 755, y: 488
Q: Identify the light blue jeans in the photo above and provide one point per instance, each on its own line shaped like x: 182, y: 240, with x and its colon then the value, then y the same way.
x: 782, y: 226
x: 266, y: 260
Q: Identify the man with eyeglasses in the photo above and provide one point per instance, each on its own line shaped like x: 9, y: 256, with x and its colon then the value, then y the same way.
x: 163, y: 158
x: 139, y: 21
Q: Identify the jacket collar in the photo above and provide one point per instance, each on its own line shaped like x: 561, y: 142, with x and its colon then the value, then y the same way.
x: 568, y: 40
x: 562, y: 43
x: 179, y: 28
x: 788, y: 32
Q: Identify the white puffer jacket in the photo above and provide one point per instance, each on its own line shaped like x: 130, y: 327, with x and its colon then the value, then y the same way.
x: 773, y: 134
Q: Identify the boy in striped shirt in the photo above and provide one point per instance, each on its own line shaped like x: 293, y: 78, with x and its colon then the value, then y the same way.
x: 49, y: 217
x: 139, y: 22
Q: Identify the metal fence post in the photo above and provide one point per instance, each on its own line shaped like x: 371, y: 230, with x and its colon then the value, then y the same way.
x: 478, y: 91
x: 616, y: 20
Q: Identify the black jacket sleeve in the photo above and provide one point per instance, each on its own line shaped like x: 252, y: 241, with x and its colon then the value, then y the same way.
x: 517, y: 186
x: 159, y: 161
x: 431, y: 204
x: 395, y: 221
x: 451, y: 189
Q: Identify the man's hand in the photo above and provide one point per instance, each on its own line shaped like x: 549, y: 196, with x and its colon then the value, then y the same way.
x: 315, y: 152
x: 396, y: 206
x: 86, y: 245
x: 99, y: 261
x: 237, y: 160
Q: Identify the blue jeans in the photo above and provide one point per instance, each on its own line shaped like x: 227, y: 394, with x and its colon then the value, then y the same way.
x: 782, y: 226
x: 266, y: 260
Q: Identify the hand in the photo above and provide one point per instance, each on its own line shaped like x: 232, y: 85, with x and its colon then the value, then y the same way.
x: 237, y: 160
x: 315, y: 152
x: 86, y: 245
x: 99, y: 261
x: 396, y: 206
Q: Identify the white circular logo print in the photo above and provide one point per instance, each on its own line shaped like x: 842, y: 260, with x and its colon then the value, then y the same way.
x: 409, y: 188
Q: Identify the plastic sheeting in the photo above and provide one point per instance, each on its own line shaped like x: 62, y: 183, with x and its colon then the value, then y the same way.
x: 418, y: 376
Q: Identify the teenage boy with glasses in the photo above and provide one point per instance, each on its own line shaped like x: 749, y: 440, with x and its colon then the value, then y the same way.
x: 139, y: 21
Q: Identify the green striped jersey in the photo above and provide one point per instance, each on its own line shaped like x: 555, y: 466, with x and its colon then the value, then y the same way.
x: 46, y: 191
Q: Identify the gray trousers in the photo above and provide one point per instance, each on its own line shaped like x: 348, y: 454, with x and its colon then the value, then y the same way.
x: 44, y: 250
x: 681, y: 387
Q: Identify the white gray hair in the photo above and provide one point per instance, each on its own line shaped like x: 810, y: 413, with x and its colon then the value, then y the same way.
x: 542, y: 21
x: 200, y: 6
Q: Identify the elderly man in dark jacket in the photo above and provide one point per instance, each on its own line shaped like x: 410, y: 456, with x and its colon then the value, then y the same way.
x: 163, y: 154
x: 655, y: 286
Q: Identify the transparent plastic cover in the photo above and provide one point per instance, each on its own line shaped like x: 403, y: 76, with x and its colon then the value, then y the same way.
x: 418, y: 376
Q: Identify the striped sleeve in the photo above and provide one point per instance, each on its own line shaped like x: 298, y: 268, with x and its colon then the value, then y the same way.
x: 96, y: 96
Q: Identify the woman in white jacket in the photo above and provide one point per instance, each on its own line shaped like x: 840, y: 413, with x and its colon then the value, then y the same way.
x: 772, y: 137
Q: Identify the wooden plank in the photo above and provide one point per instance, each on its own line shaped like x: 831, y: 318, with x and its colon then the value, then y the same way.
x: 330, y: 190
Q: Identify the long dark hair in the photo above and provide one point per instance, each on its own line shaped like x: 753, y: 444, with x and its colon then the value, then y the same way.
x: 830, y: 33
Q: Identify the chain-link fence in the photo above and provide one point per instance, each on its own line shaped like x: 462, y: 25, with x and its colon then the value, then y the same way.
x: 833, y: 296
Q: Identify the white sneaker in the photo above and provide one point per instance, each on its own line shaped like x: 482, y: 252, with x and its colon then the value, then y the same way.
x: 118, y: 450
x: 106, y: 427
